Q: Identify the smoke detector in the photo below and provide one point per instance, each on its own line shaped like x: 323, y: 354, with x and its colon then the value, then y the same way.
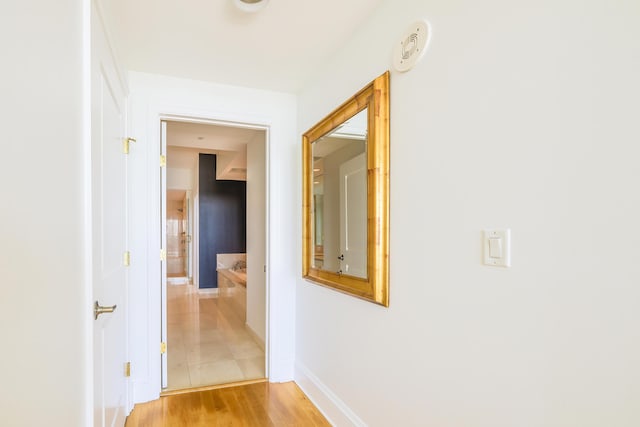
x: 411, y: 46
x: 250, y: 5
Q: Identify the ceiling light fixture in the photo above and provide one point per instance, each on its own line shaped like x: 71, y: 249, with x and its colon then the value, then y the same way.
x: 250, y: 5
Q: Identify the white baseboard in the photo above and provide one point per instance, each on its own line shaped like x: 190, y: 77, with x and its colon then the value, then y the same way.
x: 255, y: 336
x: 332, y: 407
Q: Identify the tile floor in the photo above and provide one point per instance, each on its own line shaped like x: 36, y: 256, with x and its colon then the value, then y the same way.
x: 207, y: 341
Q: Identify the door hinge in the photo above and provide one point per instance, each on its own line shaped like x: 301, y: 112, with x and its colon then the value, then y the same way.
x: 126, y: 259
x: 127, y: 369
x: 163, y: 160
x: 125, y: 144
x: 163, y: 347
x: 163, y: 254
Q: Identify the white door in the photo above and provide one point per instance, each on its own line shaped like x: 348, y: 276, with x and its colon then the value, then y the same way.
x: 109, y: 232
x: 163, y: 246
x: 353, y: 216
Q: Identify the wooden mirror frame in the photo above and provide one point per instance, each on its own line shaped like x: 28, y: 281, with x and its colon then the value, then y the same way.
x: 375, y: 287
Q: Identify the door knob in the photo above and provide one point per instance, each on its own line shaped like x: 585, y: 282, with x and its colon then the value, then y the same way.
x: 100, y: 309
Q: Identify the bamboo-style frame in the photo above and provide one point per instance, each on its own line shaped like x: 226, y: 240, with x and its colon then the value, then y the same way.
x: 374, y: 288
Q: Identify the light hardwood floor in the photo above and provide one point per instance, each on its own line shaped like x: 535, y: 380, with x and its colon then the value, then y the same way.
x: 259, y: 404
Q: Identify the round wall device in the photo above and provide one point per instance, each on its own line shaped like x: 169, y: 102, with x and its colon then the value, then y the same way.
x: 411, y: 46
x: 250, y: 5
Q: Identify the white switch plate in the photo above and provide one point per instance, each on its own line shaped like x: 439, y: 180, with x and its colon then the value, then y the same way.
x: 502, y: 240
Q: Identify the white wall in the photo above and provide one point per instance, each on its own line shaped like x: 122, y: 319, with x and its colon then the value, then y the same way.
x: 44, y: 308
x: 179, y: 179
x: 153, y: 96
x: 522, y: 115
x: 256, y: 229
x: 181, y: 165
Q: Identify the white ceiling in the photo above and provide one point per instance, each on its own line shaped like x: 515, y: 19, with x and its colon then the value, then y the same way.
x: 277, y: 48
x: 185, y: 140
x: 209, y: 137
x: 175, y: 195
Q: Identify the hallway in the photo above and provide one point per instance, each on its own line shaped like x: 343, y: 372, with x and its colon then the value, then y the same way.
x: 208, y: 342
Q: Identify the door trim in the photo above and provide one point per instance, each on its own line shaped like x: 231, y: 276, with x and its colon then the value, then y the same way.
x: 154, y: 97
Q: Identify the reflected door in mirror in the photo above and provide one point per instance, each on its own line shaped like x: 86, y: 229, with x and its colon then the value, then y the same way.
x: 340, y: 198
x: 353, y: 216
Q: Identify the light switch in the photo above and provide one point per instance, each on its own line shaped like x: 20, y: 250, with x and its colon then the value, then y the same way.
x: 497, y: 247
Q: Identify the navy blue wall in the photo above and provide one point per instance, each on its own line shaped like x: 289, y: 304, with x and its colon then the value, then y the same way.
x: 223, y: 224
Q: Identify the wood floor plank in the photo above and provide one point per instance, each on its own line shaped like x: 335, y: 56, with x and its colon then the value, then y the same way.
x: 251, y: 405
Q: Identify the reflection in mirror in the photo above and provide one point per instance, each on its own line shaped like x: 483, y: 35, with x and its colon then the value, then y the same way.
x: 345, y: 215
x: 340, y: 198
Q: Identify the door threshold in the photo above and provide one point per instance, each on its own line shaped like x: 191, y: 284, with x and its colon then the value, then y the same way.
x: 212, y: 387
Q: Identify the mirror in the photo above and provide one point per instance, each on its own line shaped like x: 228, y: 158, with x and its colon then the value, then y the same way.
x: 346, y: 194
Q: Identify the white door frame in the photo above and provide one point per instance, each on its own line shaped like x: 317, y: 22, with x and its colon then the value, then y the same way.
x: 156, y: 97
x: 163, y: 188
x: 163, y: 244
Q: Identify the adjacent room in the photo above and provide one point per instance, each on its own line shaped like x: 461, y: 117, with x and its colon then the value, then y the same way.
x: 215, y: 283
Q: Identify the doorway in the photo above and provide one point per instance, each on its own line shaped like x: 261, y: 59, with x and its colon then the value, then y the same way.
x: 214, y: 297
